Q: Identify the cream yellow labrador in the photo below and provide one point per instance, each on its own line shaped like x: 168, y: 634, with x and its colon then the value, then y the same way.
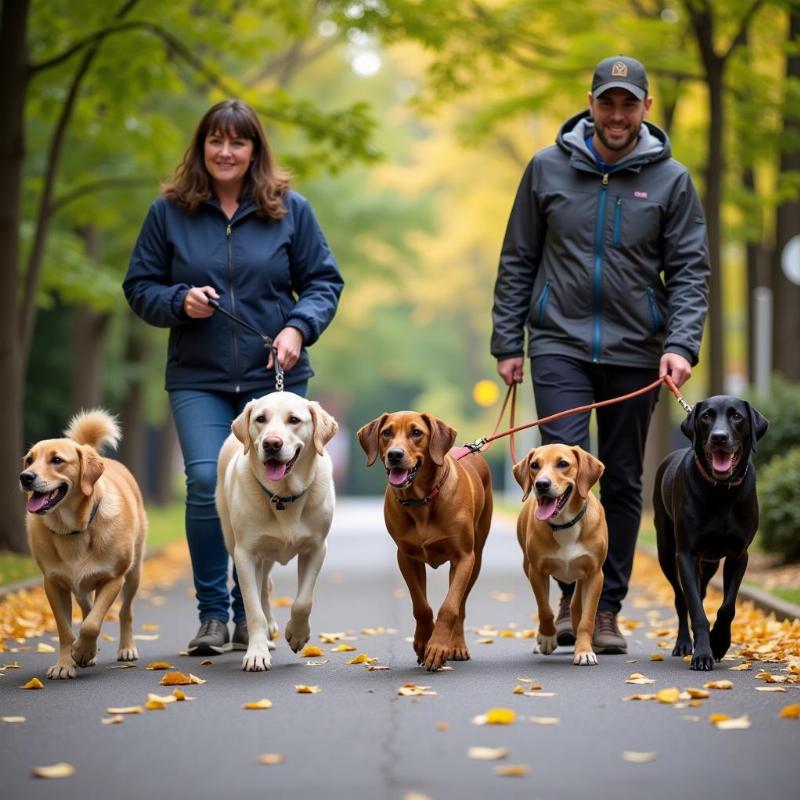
x: 275, y: 499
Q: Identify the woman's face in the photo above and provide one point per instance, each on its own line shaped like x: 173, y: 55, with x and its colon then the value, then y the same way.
x: 227, y: 158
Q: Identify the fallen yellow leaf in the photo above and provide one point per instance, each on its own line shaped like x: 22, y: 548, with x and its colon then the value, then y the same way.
x: 668, y: 695
x: 330, y: 638
x: 656, y: 657
x: 60, y: 770
x: 150, y: 626
x: 715, y: 718
x: 179, y: 679
x: 167, y: 698
x: 640, y: 696
x: 638, y: 678
x: 698, y: 694
x: 544, y: 720
x: 343, y: 648
x: 155, y: 705
x: 723, y: 684
x: 485, y: 641
x: 736, y: 724
x: 412, y: 690
x: 125, y: 710
x: 302, y: 688
x: 361, y: 658
x: 442, y: 726
x: 500, y: 716
x: 511, y: 770
x: 12, y: 719
x: 33, y: 683
x: 180, y: 695
x: 487, y: 753
x: 271, y: 758
x: 160, y: 665
x: 311, y: 650
x: 45, y: 648
x: 373, y: 631
x: 518, y: 690
x: 637, y: 758
x: 258, y: 705
x: 790, y: 712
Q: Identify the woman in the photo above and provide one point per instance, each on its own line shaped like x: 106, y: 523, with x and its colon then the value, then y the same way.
x: 228, y: 227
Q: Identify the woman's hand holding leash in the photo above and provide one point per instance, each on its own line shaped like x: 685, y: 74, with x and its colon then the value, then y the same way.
x: 288, y: 344
x: 196, y: 305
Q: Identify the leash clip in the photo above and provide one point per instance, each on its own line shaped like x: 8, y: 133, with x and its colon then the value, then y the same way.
x: 684, y: 405
x: 477, y: 445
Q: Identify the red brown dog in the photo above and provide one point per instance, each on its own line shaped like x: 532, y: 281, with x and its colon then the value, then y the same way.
x: 437, y: 509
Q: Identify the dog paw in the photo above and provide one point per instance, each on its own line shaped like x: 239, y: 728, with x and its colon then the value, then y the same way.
x: 297, y: 634
x: 702, y: 660
x: 60, y: 672
x: 682, y: 648
x: 459, y: 652
x: 128, y: 654
x: 720, y: 642
x: 256, y: 660
x: 435, y: 657
x: 84, y: 656
x: 585, y: 659
x: 546, y: 644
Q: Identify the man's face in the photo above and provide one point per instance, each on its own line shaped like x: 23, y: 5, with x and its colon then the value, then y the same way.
x: 618, y: 115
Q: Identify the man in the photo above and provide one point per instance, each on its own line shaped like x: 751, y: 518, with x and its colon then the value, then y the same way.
x: 605, y: 262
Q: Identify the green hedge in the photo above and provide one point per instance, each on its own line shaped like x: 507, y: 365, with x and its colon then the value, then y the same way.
x: 781, y: 407
x: 779, y: 504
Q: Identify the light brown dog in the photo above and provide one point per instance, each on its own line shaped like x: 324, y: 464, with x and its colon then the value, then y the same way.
x: 562, y: 532
x: 86, y: 529
x: 437, y: 509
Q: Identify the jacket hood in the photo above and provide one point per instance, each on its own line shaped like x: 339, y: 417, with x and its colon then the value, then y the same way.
x: 653, y: 144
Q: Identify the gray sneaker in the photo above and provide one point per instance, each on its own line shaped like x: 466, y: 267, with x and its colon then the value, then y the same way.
x: 607, y: 637
x: 240, y: 638
x: 564, y: 634
x: 211, y: 639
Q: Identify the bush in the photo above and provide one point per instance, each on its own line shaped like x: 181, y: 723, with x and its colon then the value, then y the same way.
x: 781, y: 407
x: 779, y: 504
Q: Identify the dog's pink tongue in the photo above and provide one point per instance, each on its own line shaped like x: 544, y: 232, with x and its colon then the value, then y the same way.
x: 722, y: 462
x: 397, y: 477
x: 275, y: 470
x: 37, y: 502
x: 545, y: 507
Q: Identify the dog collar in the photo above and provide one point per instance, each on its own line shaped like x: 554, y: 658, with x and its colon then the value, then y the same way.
x: 713, y: 481
x: 577, y: 518
x: 424, y: 501
x: 88, y: 524
x: 279, y: 500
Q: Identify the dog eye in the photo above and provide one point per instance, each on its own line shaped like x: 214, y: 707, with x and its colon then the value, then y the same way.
x: 416, y: 433
x: 56, y: 460
x: 534, y: 466
x: 736, y: 416
x: 386, y: 433
x: 28, y: 461
x: 261, y: 418
x: 293, y: 420
x: 562, y: 464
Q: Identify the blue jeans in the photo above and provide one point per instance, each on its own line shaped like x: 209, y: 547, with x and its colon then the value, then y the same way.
x: 203, y: 422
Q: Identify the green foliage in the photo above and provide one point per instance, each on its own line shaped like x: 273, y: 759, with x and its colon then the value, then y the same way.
x: 779, y: 502
x: 781, y: 407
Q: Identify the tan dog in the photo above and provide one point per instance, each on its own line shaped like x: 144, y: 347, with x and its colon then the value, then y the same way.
x: 86, y: 529
x: 562, y: 532
x: 275, y: 499
x: 437, y: 509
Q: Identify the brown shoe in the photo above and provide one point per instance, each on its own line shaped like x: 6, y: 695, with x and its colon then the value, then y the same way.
x: 564, y: 633
x: 607, y: 637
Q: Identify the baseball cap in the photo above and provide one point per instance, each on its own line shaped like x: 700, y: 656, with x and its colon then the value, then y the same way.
x: 620, y: 72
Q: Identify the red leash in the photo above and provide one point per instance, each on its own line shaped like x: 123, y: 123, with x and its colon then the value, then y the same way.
x: 480, y: 444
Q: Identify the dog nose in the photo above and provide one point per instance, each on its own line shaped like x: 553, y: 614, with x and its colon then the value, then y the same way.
x: 719, y: 437
x: 27, y: 478
x: 395, y: 455
x: 272, y: 443
x: 543, y: 484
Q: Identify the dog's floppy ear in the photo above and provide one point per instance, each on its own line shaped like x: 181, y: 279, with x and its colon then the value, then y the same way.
x: 442, y: 438
x: 325, y: 426
x: 589, y: 471
x: 240, y: 427
x: 92, y: 468
x: 368, y: 438
x: 689, y: 425
x: 758, y: 425
x: 522, y: 473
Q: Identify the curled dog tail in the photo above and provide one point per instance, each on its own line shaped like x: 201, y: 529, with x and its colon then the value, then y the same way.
x: 95, y: 427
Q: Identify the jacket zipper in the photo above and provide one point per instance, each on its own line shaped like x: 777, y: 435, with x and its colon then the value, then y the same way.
x: 617, y: 222
x: 598, y: 266
x: 656, y: 317
x: 233, y: 308
x: 543, y: 302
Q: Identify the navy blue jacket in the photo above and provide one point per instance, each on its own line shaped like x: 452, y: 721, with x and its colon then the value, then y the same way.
x: 270, y: 273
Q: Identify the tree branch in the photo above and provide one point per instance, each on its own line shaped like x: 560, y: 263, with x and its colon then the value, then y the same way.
x: 99, y: 186
x: 741, y: 35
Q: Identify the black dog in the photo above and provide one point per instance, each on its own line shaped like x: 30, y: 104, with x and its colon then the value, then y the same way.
x: 706, y: 509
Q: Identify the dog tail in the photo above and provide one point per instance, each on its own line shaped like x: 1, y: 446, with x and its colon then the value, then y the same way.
x: 95, y: 427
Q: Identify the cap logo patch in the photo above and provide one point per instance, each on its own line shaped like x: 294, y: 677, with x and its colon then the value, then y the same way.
x: 641, y: 195
x: 619, y: 70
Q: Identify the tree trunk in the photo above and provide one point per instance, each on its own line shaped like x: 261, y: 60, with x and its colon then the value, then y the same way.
x: 132, y: 450
x: 13, y: 25
x: 163, y: 493
x: 88, y: 340
x: 787, y: 294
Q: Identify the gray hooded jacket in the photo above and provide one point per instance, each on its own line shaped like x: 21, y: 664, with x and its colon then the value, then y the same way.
x: 609, y: 268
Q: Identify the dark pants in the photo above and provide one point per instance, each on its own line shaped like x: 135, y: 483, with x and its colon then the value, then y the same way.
x: 203, y: 422
x: 560, y: 383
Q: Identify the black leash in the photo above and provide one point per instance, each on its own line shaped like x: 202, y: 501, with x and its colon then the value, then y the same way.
x: 268, y: 342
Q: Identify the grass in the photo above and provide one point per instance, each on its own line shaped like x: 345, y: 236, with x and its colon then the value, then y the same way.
x: 166, y: 525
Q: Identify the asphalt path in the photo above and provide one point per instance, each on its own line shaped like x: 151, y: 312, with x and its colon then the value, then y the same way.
x: 358, y: 738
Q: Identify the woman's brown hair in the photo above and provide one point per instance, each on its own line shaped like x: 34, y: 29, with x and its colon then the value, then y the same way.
x: 265, y: 182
